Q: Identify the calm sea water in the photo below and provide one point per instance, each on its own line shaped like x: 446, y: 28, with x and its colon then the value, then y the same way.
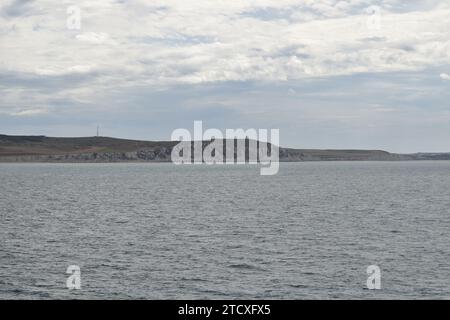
x: 159, y: 231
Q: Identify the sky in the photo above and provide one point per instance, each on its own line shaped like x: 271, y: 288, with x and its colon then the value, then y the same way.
x: 355, y: 74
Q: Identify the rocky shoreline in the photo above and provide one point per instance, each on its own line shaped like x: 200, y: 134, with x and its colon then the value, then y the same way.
x: 103, y: 149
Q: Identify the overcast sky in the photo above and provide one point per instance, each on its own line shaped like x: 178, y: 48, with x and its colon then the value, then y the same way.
x: 327, y: 73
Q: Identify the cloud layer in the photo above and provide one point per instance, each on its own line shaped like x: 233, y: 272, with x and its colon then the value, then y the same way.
x: 127, y: 52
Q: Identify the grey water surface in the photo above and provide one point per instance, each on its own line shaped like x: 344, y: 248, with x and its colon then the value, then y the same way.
x: 160, y: 231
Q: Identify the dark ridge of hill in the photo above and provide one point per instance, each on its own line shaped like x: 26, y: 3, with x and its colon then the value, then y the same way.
x: 42, y: 145
x: 106, y: 149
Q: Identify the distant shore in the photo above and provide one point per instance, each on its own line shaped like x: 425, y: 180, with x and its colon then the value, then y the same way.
x: 105, y: 149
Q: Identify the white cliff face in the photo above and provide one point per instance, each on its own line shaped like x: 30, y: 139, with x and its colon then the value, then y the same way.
x: 163, y: 154
x: 157, y: 155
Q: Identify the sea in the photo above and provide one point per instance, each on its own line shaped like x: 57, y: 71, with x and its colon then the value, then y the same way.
x: 161, y: 231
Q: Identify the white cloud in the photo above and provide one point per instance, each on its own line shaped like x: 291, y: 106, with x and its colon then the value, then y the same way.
x: 93, y: 37
x: 29, y: 112
x: 175, y: 41
x: 445, y: 76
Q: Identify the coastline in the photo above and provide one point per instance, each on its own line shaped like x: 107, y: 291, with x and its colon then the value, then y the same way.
x: 29, y: 149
